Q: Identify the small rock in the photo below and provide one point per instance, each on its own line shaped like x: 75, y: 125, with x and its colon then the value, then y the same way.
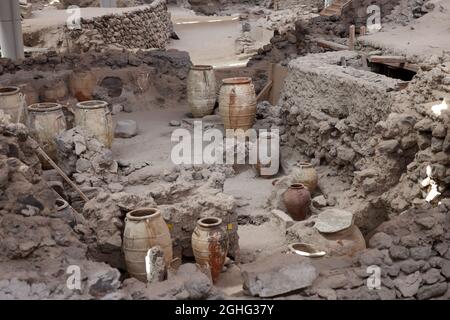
x: 175, y: 123
x: 115, y: 187
x: 319, y: 202
x: 432, y: 291
x: 116, y: 108
x: 420, y: 253
x: 278, y: 274
x: 126, y: 129
x: 283, y: 219
x: 426, y: 222
x: 388, y: 146
x: 410, y: 266
x: 424, y: 125
x: 399, y: 253
x: 408, y: 286
x: 446, y: 269
x: 431, y: 276
x: 380, y: 241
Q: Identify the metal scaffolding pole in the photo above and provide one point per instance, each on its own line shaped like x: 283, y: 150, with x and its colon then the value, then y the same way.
x: 11, y: 40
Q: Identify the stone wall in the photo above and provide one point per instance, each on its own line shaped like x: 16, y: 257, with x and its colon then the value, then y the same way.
x: 157, y: 77
x: 371, y: 141
x: 145, y: 29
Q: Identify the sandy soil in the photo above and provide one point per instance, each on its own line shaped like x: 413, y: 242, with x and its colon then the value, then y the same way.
x: 426, y: 36
x: 153, y: 140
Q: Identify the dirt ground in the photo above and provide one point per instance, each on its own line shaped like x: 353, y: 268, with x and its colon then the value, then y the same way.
x: 426, y: 36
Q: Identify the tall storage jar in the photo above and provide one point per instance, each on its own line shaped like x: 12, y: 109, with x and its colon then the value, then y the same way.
x: 46, y: 121
x: 237, y: 103
x: 201, y: 90
x: 95, y: 116
x: 144, y: 229
x: 210, y: 244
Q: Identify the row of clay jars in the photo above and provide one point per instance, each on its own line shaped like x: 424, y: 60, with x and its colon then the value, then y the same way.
x: 237, y: 97
x: 146, y: 228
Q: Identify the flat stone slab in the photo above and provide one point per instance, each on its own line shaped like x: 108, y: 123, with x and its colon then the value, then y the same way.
x: 333, y: 220
x: 278, y: 274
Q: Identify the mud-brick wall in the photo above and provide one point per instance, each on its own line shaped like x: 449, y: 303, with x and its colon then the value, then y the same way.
x: 356, y: 12
x: 144, y: 28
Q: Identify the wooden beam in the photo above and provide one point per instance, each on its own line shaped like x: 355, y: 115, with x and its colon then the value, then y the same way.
x: 265, y: 91
x: 387, y: 59
x: 330, y: 45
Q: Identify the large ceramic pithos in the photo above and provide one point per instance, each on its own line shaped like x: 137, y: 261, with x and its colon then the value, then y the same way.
x: 95, y: 116
x: 46, y: 121
x: 11, y: 100
x: 210, y: 245
x: 297, y: 199
x: 144, y: 229
x: 304, y: 173
x: 201, y: 90
x: 237, y: 103
x: 81, y: 84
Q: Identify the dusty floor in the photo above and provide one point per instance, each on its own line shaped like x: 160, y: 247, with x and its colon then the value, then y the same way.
x: 428, y: 35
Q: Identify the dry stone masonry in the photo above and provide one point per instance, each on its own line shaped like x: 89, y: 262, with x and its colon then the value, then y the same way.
x: 144, y: 28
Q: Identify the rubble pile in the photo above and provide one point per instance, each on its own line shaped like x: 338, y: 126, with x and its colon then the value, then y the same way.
x: 37, y: 248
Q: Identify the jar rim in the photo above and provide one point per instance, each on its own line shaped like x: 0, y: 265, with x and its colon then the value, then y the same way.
x: 209, y: 222
x: 297, y: 186
x: 201, y: 67
x: 61, y: 204
x: 9, y: 90
x: 44, y: 107
x: 143, y: 214
x: 92, y: 104
x: 237, y: 80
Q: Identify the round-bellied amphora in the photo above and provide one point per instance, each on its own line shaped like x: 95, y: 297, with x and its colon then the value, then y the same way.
x: 210, y: 245
x: 144, y: 229
x: 95, y: 116
x: 46, y: 121
x: 297, y: 200
x: 11, y: 100
x: 304, y: 173
x: 237, y: 103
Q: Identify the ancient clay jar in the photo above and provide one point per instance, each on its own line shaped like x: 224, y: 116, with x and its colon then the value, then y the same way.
x: 81, y: 84
x: 11, y: 100
x: 346, y: 242
x: 237, y: 103
x: 55, y: 92
x: 65, y: 212
x: 210, y: 245
x: 144, y: 229
x: 201, y: 90
x: 305, y: 174
x: 95, y: 117
x: 46, y: 121
x: 297, y: 200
